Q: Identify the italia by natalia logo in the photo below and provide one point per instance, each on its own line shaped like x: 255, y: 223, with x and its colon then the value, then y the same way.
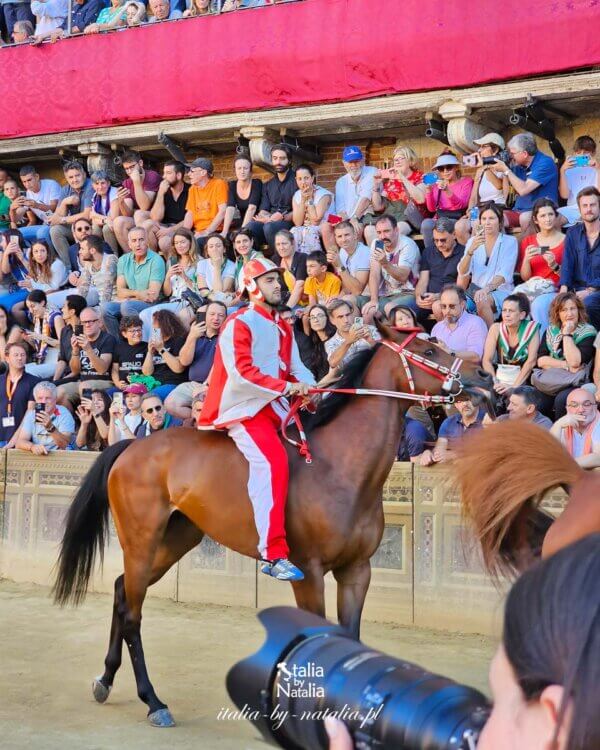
x: 299, y: 681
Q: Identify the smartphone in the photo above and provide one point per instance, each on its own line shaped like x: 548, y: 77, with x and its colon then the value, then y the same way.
x: 201, y: 316
x: 358, y: 322
x: 15, y: 238
x: 379, y: 245
x: 581, y: 160
x: 39, y: 408
x: 86, y: 393
x: 156, y: 334
x: 469, y: 160
x: 78, y: 329
x: 334, y: 219
x: 480, y: 230
x: 118, y: 399
x: 430, y: 178
x: 544, y: 249
x: 474, y: 213
x: 388, y: 174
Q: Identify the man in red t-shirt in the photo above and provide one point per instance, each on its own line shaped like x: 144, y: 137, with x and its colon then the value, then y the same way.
x: 134, y: 198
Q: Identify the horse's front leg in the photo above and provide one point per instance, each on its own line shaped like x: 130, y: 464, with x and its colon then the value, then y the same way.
x: 310, y: 593
x: 353, y: 583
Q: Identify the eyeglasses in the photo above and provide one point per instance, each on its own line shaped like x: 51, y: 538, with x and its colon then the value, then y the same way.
x: 447, y: 168
x: 585, y: 404
x: 89, y: 322
x: 84, y: 228
x: 133, y: 330
x: 152, y: 409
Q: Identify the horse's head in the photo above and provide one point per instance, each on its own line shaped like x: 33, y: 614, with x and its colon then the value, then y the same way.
x: 423, y: 367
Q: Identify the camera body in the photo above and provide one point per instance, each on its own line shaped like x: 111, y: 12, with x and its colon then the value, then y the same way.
x: 502, y: 156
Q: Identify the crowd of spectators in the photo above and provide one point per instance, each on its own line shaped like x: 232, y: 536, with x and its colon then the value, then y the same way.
x: 112, y: 296
x: 33, y: 21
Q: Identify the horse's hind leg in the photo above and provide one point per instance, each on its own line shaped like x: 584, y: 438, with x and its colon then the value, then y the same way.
x: 102, y: 685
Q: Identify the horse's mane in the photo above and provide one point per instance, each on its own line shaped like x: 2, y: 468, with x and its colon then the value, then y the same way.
x: 352, y: 377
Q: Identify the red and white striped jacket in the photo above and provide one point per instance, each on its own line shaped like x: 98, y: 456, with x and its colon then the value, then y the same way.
x: 255, y: 359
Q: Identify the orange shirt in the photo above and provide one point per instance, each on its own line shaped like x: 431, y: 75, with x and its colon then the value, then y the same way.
x: 203, y: 202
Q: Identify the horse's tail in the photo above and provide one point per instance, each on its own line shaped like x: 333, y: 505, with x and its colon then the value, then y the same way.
x: 86, y: 529
x: 503, y: 473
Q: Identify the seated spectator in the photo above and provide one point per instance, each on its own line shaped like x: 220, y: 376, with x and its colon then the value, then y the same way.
x: 74, y: 202
x: 72, y: 308
x: 6, y: 201
x: 41, y: 199
x: 568, y: 345
x: 350, y: 259
x: 47, y: 324
x: 573, y: 177
x: 316, y: 330
x: 215, y: 272
x: 275, y: 211
x: 104, y: 196
x: 133, y: 201
x: 541, y: 257
x: 511, y: 347
x: 294, y: 264
x: 243, y: 247
x: 140, y: 276
x: 12, y: 213
x: 459, y: 333
x: 94, y: 419
x: 311, y: 206
x: 82, y: 228
x: 83, y: 13
x: 393, y: 270
x: 353, y: 193
x: 91, y: 358
x: 197, y: 353
x: 45, y: 273
x: 200, y: 8
x: 124, y: 421
x: 535, y: 176
x: 321, y: 285
x: 167, y: 214
x: 162, y: 357
x: 130, y: 352
x: 14, y: 269
x: 244, y: 195
x: 448, y: 198
x: 196, y: 410
x: 469, y: 417
x: 488, y: 265
x: 16, y: 393
x: 579, y: 429
x: 414, y: 442
x: 51, y: 16
x: 405, y: 317
x: 489, y: 186
x: 110, y: 17
x: 180, y: 276
x: 96, y: 281
x: 8, y: 333
x: 162, y: 11
x: 351, y: 336
x: 439, y: 267
x: 206, y: 202
x: 155, y: 416
x: 22, y: 32
x: 48, y: 427
x: 523, y: 403
x: 239, y: 4
x: 14, y: 11
x: 399, y: 192
x: 135, y: 13
x: 580, y: 270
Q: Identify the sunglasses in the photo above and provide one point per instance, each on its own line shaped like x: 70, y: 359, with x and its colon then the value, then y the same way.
x: 152, y: 409
x: 447, y: 168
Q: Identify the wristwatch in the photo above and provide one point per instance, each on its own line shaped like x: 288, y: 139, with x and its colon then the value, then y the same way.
x: 343, y: 268
x: 162, y: 351
x: 52, y: 428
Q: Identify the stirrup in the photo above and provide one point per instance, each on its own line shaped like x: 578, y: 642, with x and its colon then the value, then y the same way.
x: 282, y: 570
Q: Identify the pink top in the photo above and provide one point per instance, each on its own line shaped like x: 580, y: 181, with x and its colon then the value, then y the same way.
x: 461, y: 192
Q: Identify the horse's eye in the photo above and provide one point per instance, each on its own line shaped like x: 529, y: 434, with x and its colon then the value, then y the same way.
x: 429, y: 352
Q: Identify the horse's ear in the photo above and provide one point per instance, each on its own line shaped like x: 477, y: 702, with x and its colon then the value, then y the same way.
x: 385, y: 331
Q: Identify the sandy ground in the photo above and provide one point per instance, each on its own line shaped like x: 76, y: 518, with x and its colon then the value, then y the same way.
x: 49, y: 656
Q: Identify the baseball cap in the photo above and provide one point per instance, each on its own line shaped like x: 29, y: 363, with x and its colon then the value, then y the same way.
x: 446, y: 160
x: 494, y: 138
x: 138, y: 388
x: 202, y: 163
x: 352, y: 153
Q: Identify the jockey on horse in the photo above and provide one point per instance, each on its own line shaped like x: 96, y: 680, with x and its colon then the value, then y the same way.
x: 256, y: 364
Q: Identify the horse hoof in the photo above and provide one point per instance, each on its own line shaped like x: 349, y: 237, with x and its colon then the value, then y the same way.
x: 161, y: 718
x: 100, y: 691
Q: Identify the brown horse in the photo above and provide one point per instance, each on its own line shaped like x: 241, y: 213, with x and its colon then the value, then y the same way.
x: 169, y: 490
x: 503, y: 475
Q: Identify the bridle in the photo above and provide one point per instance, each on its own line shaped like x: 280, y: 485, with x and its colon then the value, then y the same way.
x: 448, y: 375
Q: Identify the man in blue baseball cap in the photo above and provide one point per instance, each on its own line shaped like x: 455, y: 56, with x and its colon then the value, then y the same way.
x: 352, y: 194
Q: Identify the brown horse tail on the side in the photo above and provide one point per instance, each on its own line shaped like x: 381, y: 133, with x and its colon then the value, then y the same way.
x: 503, y: 472
x: 86, y: 529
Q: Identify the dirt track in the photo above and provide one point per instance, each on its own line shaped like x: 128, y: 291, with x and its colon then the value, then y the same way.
x: 49, y: 656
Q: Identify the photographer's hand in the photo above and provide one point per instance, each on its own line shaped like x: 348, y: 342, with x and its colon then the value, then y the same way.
x: 339, y: 736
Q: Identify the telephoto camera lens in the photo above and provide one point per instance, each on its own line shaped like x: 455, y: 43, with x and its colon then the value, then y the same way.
x: 308, y: 669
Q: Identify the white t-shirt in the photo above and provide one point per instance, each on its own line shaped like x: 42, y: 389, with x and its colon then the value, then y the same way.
x: 577, y: 179
x: 49, y: 191
x: 58, y: 276
x: 348, y: 193
x: 319, y: 193
x: 360, y: 260
x: 206, y: 269
x: 488, y: 192
x: 334, y: 343
x: 407, y: 254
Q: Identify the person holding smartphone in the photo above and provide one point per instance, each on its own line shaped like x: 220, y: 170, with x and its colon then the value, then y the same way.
x: 47, y: 427
x: 162, y: 357
x: 93, y: 413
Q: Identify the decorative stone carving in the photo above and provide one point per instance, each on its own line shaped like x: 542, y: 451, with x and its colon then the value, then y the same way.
x: 462, y: 131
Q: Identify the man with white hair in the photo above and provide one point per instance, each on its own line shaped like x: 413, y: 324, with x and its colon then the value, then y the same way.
x: 161, y: 11
x: 47, y: 427
x: 534, y: 176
